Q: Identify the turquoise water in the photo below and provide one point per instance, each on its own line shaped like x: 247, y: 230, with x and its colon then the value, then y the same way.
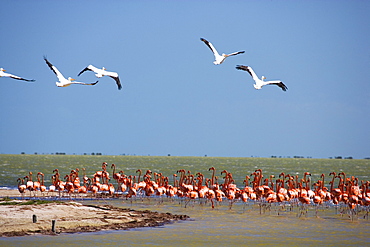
x: 242, y: 225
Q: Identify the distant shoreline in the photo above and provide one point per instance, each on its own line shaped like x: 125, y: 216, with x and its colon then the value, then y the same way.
x: 298, y: 157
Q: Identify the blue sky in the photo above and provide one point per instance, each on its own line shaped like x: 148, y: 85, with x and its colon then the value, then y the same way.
x: 174, y: 100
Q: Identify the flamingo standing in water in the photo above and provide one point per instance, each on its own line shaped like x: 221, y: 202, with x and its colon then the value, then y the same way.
x: 317, y: 199
x: 29, y: 183
x: 202, y: 189
x: 69, y: 185
x: 132, y: 191
x: 75, y: 179
x: 52, y: 187
x: 122, y: 182
x: 349, y: 193
x: 93, y: 187
x: 83, y: 189
x: 59, y: 184
x: 304, y: 199
x: 36, y: 184
x: 21, y: 186
x: 116, y: 175
x: 365, y: 200
x: 42, y: 185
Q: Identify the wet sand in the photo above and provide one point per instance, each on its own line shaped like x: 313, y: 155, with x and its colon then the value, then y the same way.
x: 71, y: 217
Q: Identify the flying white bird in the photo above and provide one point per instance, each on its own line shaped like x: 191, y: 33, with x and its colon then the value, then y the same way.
x: 63, y: 82
x: 259, y: 83
x: 219, y: 59
x: 102, y: 72
x: 3, y: 74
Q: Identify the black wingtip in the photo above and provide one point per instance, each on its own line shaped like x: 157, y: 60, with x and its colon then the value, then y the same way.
x: 240, y: 67
x: 49, y: 64
x: 118, y: 82
x: 27, y: 80
x: 82, y: 71
x: 283, y: 87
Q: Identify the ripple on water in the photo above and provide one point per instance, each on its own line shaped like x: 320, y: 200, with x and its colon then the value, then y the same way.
x: 220, y: 226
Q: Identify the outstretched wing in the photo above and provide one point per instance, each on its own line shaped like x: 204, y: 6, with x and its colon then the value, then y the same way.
x: 85, y: 69
x: 279, y: 84
x: 54, y: 69
x: 84, y: 83
x: 236, y: 53
x: 249, y: 70
x: 90, y: 67
x: 16, y: 77
x: 113, y: 75
x: 209, y: 44
x: 116, y: 78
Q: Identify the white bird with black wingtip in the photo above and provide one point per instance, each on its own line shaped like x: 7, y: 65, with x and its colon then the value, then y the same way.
x: 219, y: 59
x: 102, y: 72
x: 63, y: 82
x: 259, y: 83
x: 3, y: 74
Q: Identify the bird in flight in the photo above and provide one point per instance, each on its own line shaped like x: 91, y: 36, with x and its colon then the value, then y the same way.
x: 63, y: 82
x: 3, y: 74
x: 259, y: 83
x: 102, y: 72
x: 219, y: 59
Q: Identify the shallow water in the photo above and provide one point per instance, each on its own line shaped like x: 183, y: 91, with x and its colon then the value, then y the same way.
x: 15, y: 166
x: 239, y: 226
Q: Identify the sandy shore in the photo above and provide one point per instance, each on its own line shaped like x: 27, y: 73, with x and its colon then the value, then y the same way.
x: 69, y: 217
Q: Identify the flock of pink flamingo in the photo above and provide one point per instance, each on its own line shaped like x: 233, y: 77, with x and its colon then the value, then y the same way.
x: 283, y: 188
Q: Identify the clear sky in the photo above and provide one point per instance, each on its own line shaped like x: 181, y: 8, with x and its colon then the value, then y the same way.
x: 174, y: 100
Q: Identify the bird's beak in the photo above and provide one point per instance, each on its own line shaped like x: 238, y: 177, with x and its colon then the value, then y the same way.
x: 73, y: 79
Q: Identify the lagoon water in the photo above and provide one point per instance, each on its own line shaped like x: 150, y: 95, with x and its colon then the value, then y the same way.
x: 242, y: 225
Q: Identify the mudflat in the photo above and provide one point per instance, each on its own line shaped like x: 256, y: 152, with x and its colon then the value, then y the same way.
x: 24, y: 218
